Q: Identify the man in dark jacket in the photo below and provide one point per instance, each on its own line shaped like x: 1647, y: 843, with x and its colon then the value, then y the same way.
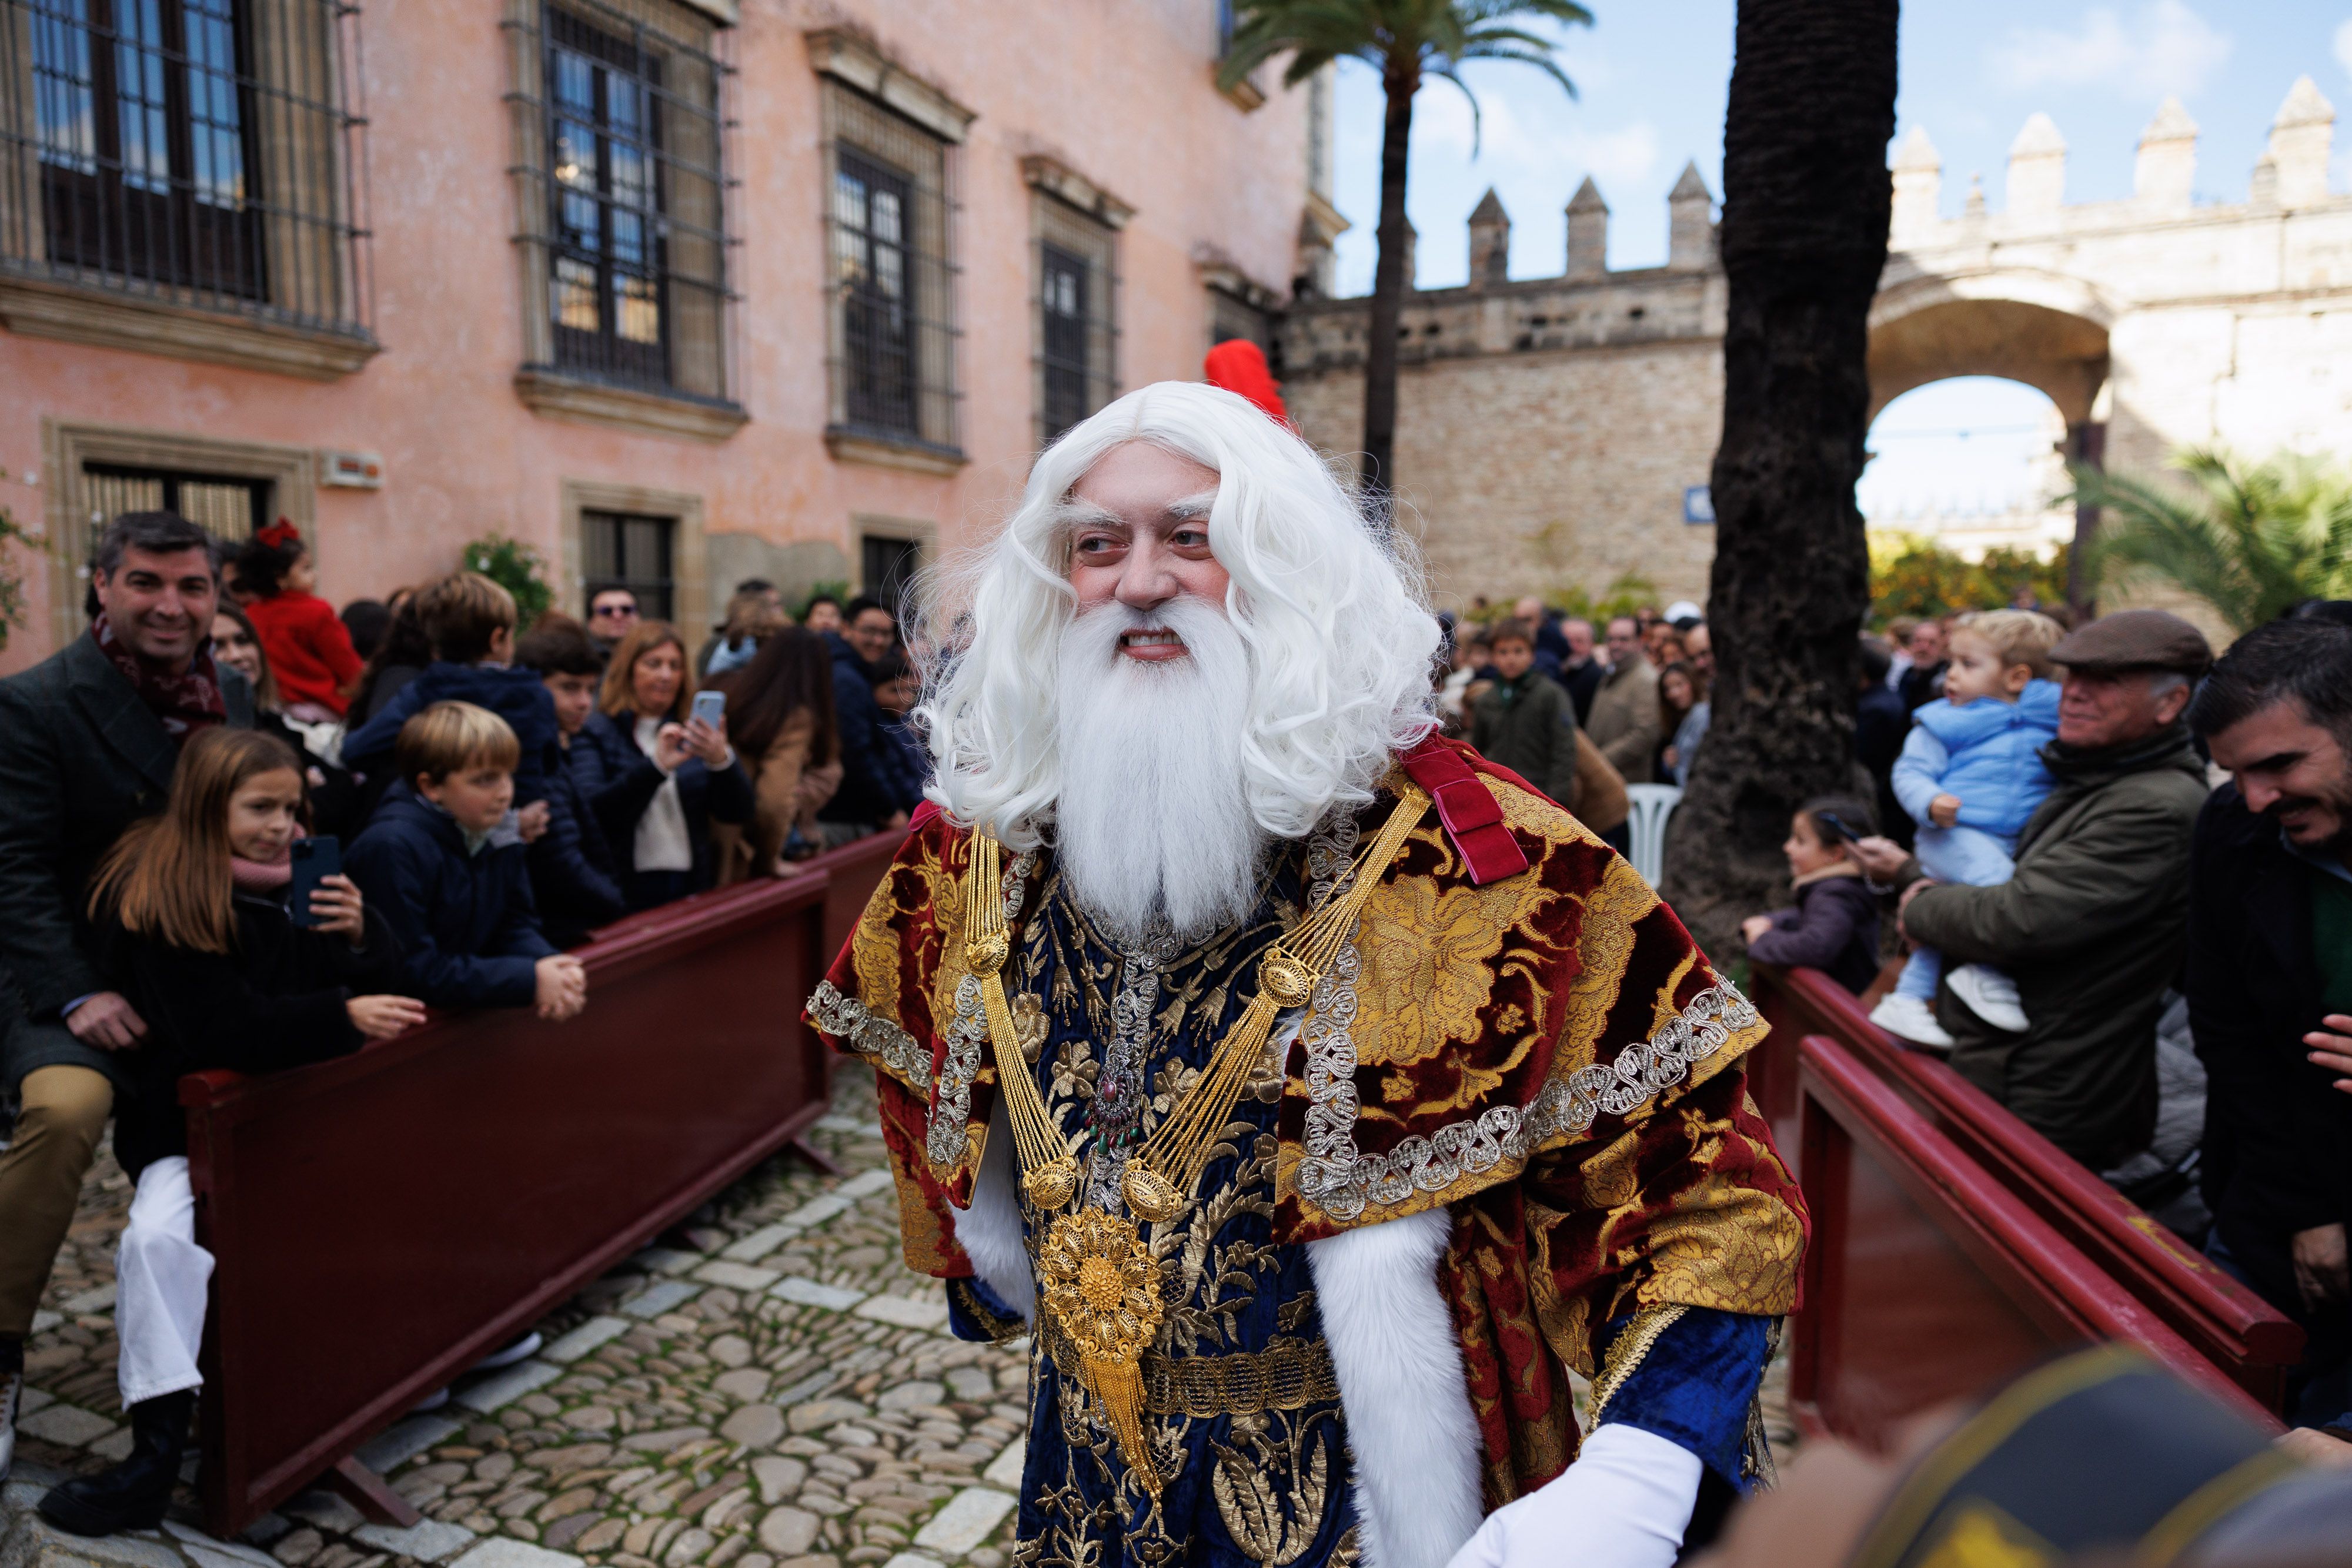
x: 1880, y: 726
x: 871, y: 797
x: 2270, y: 976
x: 1930, y: 651
x: 2093, y: 924
x: 89, y: 740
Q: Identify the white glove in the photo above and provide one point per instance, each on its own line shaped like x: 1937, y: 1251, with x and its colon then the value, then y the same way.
x: 1623, y: 1504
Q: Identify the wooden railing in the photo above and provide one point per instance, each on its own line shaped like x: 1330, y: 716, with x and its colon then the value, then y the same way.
x: 382, y: 1221
x: 1953, y: 1244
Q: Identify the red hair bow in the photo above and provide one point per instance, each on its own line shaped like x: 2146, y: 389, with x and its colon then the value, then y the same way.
x: 280, y: 534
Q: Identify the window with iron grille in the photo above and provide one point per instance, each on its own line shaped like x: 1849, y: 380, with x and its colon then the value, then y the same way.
x: 620, y: 119
x: 889, y: 563
x: 1077, y: 335
x: 229, y: 508
x: 887, y: 218
x: 196, y: 151
x: 621, y: 550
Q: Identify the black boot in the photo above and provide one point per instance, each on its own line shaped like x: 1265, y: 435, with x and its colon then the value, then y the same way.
x: 134, y: 1494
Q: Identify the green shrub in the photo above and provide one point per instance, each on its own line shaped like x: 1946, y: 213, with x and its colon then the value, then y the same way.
x: 517, y: 567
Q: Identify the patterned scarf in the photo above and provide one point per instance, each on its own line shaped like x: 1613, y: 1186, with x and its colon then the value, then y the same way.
x: 182, y: 704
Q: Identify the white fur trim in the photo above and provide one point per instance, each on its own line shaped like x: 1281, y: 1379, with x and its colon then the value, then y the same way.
x: 990, y: 1230
x: 1410, y: 1426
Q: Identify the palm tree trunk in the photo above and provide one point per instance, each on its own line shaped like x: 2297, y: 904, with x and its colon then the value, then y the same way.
x: 1806, y: 193
x: 1402, y: 80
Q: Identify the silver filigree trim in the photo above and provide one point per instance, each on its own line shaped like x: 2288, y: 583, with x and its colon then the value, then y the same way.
x: 850, y: 1021
x: 1342, y: 1181
x: 966, y: 1037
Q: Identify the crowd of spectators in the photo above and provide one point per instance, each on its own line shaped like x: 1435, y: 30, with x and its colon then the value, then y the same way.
x: 1578, y: 712
x: 2114, y: 876
x: 492, y: 794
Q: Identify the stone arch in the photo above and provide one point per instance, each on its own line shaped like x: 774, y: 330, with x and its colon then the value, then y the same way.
x: 2044, y: 328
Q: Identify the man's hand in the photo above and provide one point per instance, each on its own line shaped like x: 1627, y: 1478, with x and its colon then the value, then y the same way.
x: 1903, y: 904
x: 1755, y: 925
x: 2332, y: 1047
x: 563, y: 987
x: 381, y: 1017
x: 1944, y: 810
x: 107, y: 1021
x: 532, y: 822
x: 1881, y: 858
x: 2323, y: 1272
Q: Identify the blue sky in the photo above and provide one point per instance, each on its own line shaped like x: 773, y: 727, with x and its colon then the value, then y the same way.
x: 1652, y: 76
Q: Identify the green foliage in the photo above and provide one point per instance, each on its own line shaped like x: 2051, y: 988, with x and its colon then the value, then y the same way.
x: 1915, y: 578
x: 12, y: 579
x: 1399, y: 39
x: 1627, y: 593
x: 517, y: 567
x: 2251, y: 539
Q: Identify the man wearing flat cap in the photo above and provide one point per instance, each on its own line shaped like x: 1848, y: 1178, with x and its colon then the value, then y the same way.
x: 2092, y: 925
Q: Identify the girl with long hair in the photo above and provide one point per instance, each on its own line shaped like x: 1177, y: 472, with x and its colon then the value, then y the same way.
x: 781, y: 708
x: 399, y: 659
x: 191, y: 908
x: 335, y: 799
x: 656, y: 776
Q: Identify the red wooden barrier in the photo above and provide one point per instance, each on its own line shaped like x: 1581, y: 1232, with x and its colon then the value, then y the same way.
x: 382, y: 1221
x: 2226, y: 1324
x: 1929, y: 1279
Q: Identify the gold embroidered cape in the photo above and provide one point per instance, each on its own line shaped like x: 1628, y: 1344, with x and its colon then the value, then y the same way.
x: 1550, y: 1056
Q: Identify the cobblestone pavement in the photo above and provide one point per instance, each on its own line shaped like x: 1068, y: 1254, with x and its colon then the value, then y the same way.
x: 771, y: 1387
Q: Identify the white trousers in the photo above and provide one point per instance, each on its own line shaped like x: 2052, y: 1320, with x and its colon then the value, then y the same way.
x: 160, y: 1279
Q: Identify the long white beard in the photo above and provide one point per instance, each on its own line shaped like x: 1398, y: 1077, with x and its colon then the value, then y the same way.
x: 1153, y: 819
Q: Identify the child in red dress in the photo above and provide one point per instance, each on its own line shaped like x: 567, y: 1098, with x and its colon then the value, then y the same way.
x: 310, y: 650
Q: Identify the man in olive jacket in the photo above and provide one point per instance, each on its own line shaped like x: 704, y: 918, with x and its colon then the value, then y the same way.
x: 2092, y: 925
x: 1624, y: 722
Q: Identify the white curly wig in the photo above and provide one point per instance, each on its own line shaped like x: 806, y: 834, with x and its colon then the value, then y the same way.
x: 1340, y: 635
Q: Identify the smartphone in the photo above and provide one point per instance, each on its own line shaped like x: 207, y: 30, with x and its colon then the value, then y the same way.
x: 315, y: 860
x: 710, y: 707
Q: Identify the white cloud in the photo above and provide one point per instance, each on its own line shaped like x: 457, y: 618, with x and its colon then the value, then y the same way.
x: 1509, y: 143
x: 2164, y: 48
x: 2343, y: 45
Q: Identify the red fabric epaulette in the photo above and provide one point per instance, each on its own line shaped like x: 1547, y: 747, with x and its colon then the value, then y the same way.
x: 1473, y: 821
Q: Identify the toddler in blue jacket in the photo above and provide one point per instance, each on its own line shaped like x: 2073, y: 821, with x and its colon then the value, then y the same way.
x: 1971, y: 775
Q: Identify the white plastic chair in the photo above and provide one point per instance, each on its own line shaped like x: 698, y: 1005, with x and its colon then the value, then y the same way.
x: 1649, y: 806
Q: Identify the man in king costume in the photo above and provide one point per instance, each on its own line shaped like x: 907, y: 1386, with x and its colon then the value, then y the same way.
x: 1314, y: 1093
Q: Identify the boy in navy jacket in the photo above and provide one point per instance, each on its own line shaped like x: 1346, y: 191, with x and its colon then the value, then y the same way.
x: 451, y: 878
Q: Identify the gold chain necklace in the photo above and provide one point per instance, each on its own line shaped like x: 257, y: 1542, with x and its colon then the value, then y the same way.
x: 1097, y: 1275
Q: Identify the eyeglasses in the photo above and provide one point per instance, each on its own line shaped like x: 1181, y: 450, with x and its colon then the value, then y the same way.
x: 613, y: 612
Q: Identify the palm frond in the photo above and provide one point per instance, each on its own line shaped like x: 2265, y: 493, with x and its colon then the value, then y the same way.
x: 2250, y: 540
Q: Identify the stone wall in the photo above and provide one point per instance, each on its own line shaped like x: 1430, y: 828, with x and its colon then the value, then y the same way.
x: 1547, y: 428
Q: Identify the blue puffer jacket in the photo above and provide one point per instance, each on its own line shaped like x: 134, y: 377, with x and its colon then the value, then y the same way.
x: 469, y: 932
x: 1987, y: 752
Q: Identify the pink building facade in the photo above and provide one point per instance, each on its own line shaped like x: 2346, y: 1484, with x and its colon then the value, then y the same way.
x: 674, y: 293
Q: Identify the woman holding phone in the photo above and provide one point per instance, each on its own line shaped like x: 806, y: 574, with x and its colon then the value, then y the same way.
x: 656, y: 769
x: 196, y: 924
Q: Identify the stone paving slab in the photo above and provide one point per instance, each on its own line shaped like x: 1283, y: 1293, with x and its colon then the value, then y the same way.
x: 765, y: 1387
x: 680, y: 1416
